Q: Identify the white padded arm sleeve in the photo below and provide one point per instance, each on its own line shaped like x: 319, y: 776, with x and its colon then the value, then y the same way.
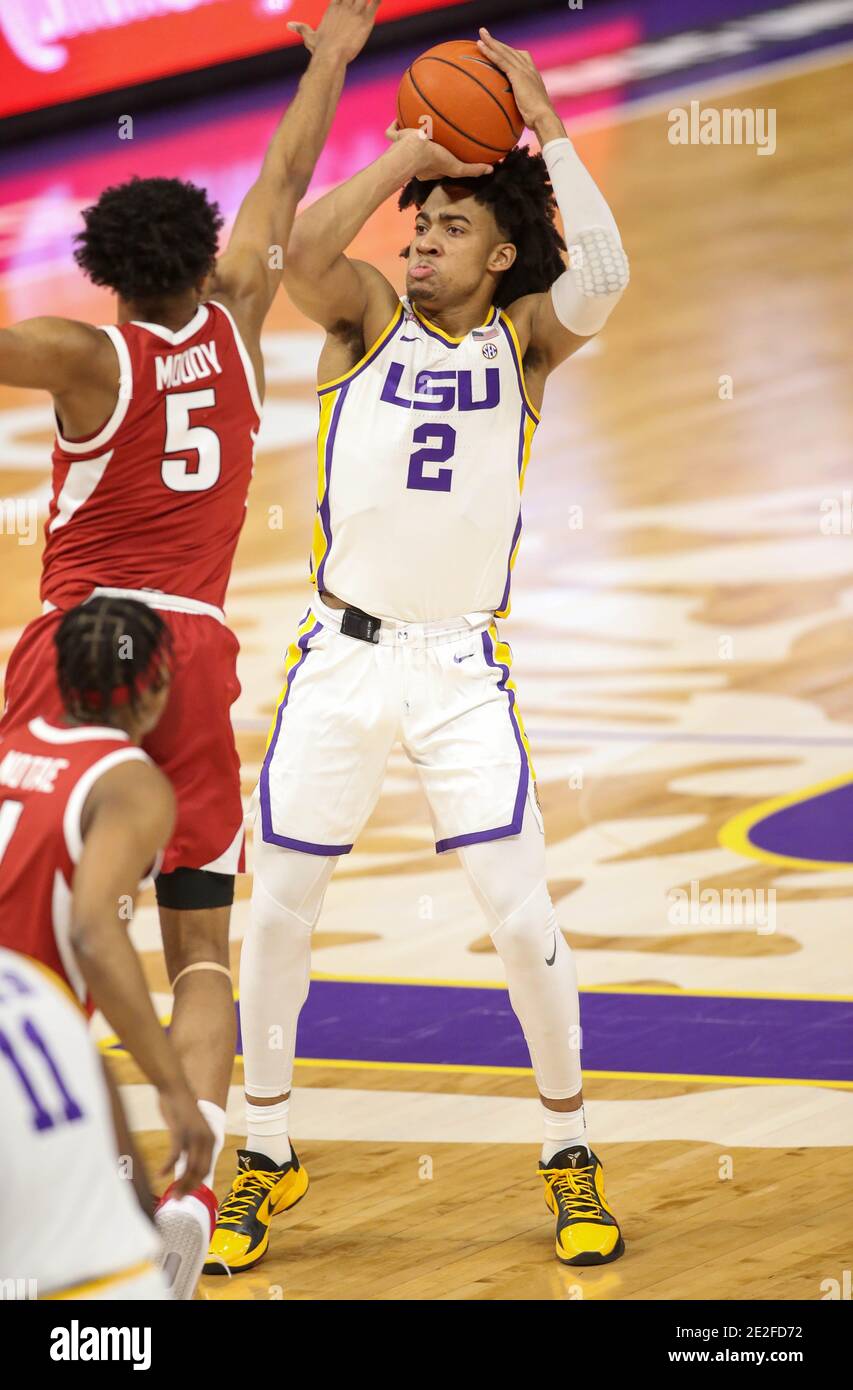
x: 595, y: 280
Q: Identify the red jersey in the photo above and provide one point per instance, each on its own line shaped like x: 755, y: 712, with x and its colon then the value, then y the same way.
x: 156, y: 499
x: 46, y: 773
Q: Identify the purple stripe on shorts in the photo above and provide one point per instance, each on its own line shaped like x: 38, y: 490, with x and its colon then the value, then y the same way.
x: 501, y: 832
x: 267, y: 832
x: 325, y: 512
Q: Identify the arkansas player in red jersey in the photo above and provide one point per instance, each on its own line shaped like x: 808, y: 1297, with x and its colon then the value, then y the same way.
x: 156, y: 423
x: 84, y: 814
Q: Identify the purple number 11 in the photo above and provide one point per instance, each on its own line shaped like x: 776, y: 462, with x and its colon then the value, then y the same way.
x: 42, y: 1118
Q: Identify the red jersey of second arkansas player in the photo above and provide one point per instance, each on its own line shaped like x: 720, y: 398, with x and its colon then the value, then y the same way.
x: 156, y: 499
x: 46, y: 773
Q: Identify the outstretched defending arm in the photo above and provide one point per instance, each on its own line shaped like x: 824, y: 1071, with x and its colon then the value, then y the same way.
x: 581, y: 300
x: 51, y: 354
x: 249, y: 271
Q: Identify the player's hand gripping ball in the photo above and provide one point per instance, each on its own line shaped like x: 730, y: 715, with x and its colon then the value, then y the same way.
x: 462, y: 101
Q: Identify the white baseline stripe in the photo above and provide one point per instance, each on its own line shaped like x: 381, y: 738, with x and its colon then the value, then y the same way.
x: 745, y: 1116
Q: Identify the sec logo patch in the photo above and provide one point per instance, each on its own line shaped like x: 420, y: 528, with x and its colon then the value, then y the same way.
x: 490, y: 349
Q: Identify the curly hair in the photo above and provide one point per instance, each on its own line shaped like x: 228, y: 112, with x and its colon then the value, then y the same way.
x: 522, y: 201
x: 149, y: 238
x: 109, y: 652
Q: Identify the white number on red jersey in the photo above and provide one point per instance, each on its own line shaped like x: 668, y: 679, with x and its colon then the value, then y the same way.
x: 180, y: 434
x: 10, y: 814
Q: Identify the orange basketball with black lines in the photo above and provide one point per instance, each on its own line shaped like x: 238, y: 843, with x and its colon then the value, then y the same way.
x: 468, y: 100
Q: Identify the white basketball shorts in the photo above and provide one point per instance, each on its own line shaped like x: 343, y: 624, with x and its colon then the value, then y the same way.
x: 443, y: 690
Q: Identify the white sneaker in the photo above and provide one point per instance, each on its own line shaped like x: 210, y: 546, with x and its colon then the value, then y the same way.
x: 186, y: 1225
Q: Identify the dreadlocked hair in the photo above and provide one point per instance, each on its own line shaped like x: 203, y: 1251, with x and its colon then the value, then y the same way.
x: 149, y: 238
x: 109, y: 651
x: 522, y: 201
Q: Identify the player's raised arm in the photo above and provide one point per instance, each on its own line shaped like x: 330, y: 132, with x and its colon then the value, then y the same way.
x: 53, y: 354
x: 581, y: 300
x: 127, y: 818
x: 249, y: 271
x: 339, y: 293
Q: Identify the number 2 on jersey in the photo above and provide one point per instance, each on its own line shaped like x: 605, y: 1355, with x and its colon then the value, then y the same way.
x: 434, y: 453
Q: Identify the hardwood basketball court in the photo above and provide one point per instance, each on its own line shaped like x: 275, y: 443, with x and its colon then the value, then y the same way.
x: 682, y: 632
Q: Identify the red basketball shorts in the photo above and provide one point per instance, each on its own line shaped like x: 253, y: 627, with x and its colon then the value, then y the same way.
x: 193, y: 743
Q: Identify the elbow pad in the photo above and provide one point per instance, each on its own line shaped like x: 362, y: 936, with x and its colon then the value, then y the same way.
x: 586, y: 293
x: 597, y: 274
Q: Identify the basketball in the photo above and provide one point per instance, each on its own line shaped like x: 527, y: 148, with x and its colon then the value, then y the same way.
x: 467, y: 98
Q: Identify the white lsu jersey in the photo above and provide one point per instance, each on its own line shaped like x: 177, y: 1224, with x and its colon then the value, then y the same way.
x: 70, y: 1225
x: 422, y: 451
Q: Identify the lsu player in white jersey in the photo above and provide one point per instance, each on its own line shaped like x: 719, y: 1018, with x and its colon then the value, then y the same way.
x: 428, y: 408
x: 71, y: 1226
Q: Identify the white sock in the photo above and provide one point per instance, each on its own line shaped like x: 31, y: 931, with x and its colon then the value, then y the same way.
x: 563, y: 1130
x: 215, y: 1117
x: 267, y: 1127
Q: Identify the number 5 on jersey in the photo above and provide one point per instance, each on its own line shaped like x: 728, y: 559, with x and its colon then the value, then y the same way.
x: 180, y: 474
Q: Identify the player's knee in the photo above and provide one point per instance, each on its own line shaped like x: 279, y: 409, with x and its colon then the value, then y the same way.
x: 521, y: 933
x: 195, y: 913
x: 274, y: 927
x: 194, y: 890
x: 288, y: 888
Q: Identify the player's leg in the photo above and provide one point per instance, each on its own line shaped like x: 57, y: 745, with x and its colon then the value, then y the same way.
x: 508, y: 879
x: 476, y: 771
x: 275, y: 966
x: 194, y: 744
x: 195, y: 946
x: 203, y: 1031
x: 334, y: 727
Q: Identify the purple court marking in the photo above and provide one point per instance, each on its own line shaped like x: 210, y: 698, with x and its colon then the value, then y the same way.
x: 440, y: 1025
x: 819, y: 827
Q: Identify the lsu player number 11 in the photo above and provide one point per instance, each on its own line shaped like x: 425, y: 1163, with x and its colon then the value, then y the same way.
x: 72, y: 1226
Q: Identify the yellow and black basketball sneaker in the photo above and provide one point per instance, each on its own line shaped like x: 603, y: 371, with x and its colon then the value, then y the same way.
x: 258, y: 1193
x: 587, y: 1231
